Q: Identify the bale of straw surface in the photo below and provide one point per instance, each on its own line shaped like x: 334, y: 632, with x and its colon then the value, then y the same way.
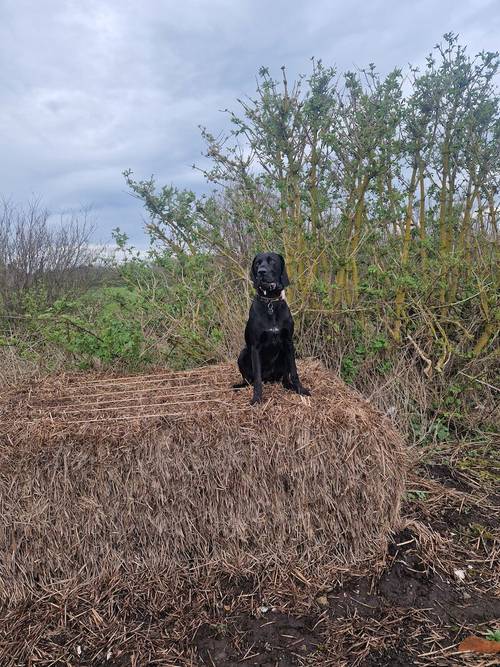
x: 175, y: 478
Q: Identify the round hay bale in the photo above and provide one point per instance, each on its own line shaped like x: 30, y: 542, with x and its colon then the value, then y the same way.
x: 176, y: 475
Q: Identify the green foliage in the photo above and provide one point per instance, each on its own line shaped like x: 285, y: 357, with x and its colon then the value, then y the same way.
x: 493, y: 635
x: 321, y: 172
x: 365, y: 351
x: 99, y: 326
x: 416, y: 494
x: 439, y: 431
x: 348, y: 369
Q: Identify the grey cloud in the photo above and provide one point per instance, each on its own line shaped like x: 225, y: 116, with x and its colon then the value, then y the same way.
x: 88, y: 89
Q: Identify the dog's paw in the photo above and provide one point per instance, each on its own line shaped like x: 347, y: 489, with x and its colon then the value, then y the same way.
x: 302, y: 391
x: 255, y: 400
x: 240, y: 385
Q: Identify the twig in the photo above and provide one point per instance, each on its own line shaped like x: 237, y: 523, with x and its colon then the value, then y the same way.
x: 486, y: 384
x: 428, y: 368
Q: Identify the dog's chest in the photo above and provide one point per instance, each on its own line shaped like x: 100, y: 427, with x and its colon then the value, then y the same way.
x: 269, y: 328
x: 272, y: 335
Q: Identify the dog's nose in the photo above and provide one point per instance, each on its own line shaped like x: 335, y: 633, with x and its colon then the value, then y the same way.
x: 261, y: 272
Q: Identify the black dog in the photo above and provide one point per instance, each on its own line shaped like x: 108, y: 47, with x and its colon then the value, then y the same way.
x: 269, y: 355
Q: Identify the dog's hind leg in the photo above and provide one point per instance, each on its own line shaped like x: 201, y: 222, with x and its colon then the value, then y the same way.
x: 245, y: 368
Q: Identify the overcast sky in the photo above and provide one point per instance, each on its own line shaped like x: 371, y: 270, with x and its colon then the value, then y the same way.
x: 89, y: 88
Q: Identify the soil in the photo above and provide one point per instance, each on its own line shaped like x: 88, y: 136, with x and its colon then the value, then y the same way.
x: 414, y: 613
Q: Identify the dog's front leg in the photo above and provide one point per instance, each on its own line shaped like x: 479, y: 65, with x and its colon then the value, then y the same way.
x: 257, y: 376
x: 292, y: 369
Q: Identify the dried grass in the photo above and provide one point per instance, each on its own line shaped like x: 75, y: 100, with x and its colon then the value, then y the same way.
x: 146, y: 492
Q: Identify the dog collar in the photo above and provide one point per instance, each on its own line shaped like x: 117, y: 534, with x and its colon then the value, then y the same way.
x: 269, y: 301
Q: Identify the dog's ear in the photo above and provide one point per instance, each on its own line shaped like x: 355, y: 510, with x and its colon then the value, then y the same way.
x: 253, y: 275
x: 284, y: 275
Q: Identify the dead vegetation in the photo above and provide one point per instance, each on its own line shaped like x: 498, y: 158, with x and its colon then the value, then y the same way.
x: 129, y: 499
x: 160, y: 519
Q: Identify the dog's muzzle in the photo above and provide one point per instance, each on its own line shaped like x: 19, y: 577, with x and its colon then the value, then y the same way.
x: 268, y: 287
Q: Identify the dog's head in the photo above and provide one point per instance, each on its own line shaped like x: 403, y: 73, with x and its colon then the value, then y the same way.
x: 268, y: 272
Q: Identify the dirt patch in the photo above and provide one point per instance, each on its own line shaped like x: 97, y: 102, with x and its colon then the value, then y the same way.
x: 447, y: 476
x: 271, y: 639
